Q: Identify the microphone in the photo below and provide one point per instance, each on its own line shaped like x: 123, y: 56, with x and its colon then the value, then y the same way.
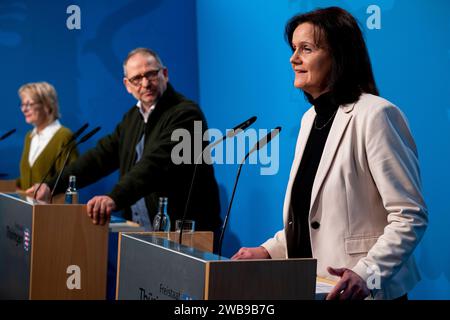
x: 86, y: 137
x: 76, y: 134
x: 230, y: 134
x: 63, y: 148
x: 6, y: 135
x: 258, y: 145
x: 233, y: 132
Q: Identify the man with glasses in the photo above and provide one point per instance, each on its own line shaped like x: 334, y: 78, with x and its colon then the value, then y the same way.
x: 140, y: 147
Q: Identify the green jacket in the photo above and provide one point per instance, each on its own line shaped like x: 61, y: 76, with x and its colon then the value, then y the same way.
x: 35, y: 174
x: 155, y: 174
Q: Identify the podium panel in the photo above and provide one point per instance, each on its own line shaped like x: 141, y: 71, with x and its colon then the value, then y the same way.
x: 16, y: 224
x: 50, y: 251
x: 151, y: 268
x: 267, y: 279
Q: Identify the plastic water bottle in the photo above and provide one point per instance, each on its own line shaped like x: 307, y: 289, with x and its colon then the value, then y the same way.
x: 161, y: 222
x: 71, y: 192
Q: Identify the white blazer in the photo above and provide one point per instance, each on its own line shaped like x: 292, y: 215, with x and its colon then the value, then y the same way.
x: 366, y: 201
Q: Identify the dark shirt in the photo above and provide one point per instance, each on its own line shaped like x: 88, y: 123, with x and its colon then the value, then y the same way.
x: 297, y: 231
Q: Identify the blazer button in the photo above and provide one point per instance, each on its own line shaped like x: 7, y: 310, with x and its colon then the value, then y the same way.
x: 315, y: 225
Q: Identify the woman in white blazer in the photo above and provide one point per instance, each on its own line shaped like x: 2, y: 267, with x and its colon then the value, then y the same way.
x: 354, y: 199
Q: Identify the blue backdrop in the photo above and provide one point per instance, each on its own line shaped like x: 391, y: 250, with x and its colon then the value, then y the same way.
x: 231, y: 56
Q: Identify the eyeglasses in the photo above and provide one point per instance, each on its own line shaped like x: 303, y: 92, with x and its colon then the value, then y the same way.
x: 149, y: 75
x: 29, y: 105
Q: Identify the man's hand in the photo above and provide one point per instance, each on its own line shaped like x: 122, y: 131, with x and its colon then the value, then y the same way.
x: 43, y: 193
x: 251, y: 253
x: 99, y: 209
x: 350, y: 286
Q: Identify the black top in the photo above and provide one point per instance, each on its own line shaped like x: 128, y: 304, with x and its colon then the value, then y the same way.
x: 297, y: 230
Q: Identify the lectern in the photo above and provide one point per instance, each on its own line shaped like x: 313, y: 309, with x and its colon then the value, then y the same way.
x: 50, y: 251
x: 152, y: 268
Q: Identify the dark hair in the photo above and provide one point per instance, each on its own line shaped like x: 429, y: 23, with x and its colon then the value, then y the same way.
x: 351, y: 70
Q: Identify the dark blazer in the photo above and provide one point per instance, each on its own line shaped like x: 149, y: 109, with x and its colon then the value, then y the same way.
x: 155, y: 174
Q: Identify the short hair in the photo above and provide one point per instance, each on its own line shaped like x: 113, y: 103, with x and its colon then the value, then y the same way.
x: 44, y: 93
x: 143, y: 51
x: 351, y: 70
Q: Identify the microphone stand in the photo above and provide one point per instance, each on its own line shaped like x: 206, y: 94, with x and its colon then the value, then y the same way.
x: 61, y: 171
x: 86, y: 137
x: 192, y: 185
x: 72, y: 139
x: 261, y: 143
x: 236, y: 130
x: 49, y: 170
x: 225, y: 221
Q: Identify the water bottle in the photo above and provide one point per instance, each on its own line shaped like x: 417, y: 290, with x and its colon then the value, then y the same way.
x: 71, y: 192
x: 161, y: 222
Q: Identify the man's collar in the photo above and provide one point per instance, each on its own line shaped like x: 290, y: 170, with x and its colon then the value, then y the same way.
x: 145, y: 114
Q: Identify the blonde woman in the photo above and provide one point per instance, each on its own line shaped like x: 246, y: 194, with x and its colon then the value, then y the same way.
x: 39, y: 104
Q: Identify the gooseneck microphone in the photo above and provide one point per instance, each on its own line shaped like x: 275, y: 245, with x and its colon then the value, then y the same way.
x: 86, y: 137
x: 77, y: 134
x: 258, y: 145
x: 4, y: 136
x: 63, y: 148
x: 233, y: 132
x: 7, y: 134
x: 230, y: 134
